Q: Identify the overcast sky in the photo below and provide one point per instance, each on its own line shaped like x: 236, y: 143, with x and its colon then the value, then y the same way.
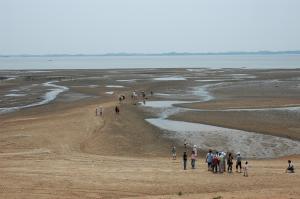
x: 102, y: 26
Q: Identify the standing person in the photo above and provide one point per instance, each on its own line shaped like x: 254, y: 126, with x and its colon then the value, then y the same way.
x: 174, y: 152
x: 143, y: 94
x: 96, y: 111
x: 117, y: 110
x: 222, y: 162
x: 101, y: 111
x: 195, y: 150
x: 215, y: 163
x: 245, y: 167
x: 290, y: 168
x: 208, y: 160
x: 185, y: 143
x: 229, y: 163
x: 238, y: 162
x: 184, y: 160
x: 193, y: 160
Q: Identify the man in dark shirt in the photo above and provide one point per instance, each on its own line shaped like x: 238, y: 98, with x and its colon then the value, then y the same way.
x: 184, y: 160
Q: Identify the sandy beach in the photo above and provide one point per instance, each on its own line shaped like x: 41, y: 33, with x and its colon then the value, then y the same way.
x: 53, y: 146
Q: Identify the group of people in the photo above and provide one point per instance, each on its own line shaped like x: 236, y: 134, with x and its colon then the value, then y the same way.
x: 99, y: 111
x: 217, y: 161
x: 135, y: 96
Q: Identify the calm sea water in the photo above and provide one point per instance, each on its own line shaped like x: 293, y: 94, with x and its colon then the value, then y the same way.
x: 117, y: 62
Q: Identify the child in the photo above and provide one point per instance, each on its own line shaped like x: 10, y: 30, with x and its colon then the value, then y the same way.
x: 184, y: 160
x: 246, y: 169
x: 290, y: 168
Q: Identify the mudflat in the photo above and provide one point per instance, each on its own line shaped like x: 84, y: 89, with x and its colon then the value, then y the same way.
x: 62, y: 150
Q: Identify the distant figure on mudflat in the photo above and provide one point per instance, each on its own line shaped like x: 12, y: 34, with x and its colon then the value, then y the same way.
x: 96, y: 111
x: 290, y: 168
x: 195, y: 150
x: 208, y: 160
x: 117, y: 110
x: 238, y: 162
x: 245, y: 167
x: 229, y: 163
x: 174, y: 152
x: 185, y: 143
x: 193, y: 159
x: 100, y: 111
x: 184, y: 160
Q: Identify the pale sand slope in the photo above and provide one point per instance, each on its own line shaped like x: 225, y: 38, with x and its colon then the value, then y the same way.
x: 54, y: 156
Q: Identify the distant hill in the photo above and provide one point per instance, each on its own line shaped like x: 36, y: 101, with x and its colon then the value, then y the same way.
x: 160, y: 54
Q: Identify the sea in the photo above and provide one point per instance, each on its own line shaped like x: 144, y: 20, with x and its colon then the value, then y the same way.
x: 273, y: 61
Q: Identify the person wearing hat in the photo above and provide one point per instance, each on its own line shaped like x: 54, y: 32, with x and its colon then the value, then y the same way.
x: 238, y: 162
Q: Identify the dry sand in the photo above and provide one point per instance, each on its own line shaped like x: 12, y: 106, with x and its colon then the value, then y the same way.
x: 62, y: 150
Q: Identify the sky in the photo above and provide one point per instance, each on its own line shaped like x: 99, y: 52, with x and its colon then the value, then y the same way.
x: 147, y: 26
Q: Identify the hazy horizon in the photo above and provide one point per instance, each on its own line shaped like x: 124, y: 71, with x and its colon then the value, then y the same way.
x: 134, y: 26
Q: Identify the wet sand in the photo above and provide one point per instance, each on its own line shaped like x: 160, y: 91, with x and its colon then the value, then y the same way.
x: 61, y: 150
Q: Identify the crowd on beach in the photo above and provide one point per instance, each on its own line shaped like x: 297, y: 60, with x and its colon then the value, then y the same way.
x: 219, y: 161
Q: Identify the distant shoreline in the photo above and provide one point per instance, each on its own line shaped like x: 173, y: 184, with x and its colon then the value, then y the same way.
x: 297, y: 52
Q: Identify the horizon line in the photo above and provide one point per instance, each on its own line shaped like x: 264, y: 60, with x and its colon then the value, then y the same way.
x: 262, y: 52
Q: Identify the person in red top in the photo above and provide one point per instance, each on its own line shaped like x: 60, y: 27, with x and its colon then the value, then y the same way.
x: 215, y: 163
